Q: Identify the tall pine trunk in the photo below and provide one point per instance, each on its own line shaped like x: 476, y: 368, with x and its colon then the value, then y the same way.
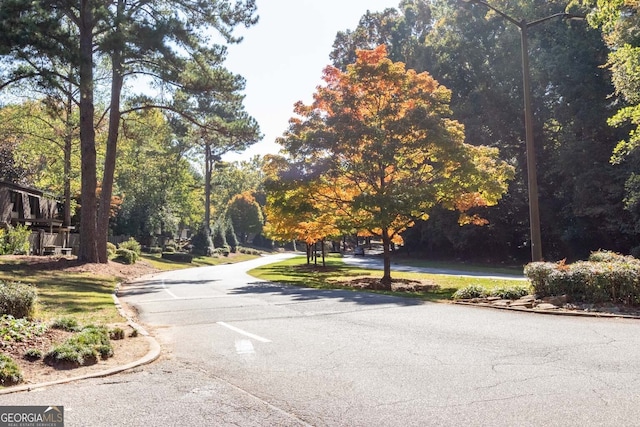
x: 88, y: 199
x: 117, y: 79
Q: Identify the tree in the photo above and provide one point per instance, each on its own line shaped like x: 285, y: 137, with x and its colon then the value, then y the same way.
x: 169, y: 45
x: 380, y: 141
x: 245, y: 214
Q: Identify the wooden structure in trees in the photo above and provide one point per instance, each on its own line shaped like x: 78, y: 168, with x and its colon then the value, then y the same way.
x: 21, y: 205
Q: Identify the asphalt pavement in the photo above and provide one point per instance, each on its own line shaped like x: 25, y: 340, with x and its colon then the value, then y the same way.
x: 239, y: 351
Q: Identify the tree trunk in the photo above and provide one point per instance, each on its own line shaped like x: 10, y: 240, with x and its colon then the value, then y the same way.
x: 207, y: 188
x: 87, y: 251
x: 386, y: 242
x: 68, y: 146
x: 117, y: 79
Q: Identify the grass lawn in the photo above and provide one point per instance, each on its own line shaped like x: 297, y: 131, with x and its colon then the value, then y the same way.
x: 83, y: 296
x: 460, y: 266
x: 296, y: 272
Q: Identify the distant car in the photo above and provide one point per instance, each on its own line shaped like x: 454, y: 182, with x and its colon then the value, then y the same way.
x: 358, y: 250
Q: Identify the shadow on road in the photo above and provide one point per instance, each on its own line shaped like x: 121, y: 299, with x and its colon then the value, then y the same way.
x: 309, y: 294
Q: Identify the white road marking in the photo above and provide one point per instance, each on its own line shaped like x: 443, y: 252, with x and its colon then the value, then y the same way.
x: 245, y: 333
x: 244, y: 347
x: 168, y: 291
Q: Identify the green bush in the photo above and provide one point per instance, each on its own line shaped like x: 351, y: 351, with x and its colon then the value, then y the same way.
x: 224, y: 251
x: 469, y: 292
x: 32, y: 354
x: 9, y: 371
x: 15, y: 240
x: 201, y: 242
x: 510, y: 292
x: 116, y: 334
x: 230, y: 235
x: 169, y: 250
x: 17, y: 299
x: 111, y: 250
x: 132, y: 245
x: 155, y: 250
x: 126, y: 256
x: 248, y: 251
x: 66, y: 324
x: 84, y: 348
x: 177, y: 257
x: 606, y: 277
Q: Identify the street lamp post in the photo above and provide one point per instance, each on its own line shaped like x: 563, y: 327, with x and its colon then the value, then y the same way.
x: 534, y: 211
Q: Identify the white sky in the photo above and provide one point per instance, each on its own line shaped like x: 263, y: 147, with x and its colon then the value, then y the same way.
x: 282, y: 58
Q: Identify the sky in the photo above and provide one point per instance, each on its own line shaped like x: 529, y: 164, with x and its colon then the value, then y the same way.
x: 283, y: 55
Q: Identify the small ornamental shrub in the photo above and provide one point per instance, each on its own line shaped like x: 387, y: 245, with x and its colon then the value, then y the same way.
x: 470, y: 292
x: 9, y: 371
x: 177, y: 257
x: 132, y: 245
x: 84, y: 348
x: 168, y: 249
x: 201, y: 242
x: 510, y: 292
x: 17, y: 299
x: 111, y: 250
x: 116, y: 334
x: 126, y: 256
x: 66, y: 324
x: 33, y: 354
x: 155, y: 250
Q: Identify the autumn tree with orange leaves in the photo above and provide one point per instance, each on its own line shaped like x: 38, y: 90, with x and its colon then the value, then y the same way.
x: 377, y: 149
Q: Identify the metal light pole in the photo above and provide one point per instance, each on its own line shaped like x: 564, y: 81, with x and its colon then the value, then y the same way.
x: 534, y: 212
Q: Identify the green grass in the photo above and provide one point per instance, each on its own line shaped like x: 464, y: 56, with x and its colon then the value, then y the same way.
x: 459, y: 266
x: 85, y: 296
x: 158, y: 262
x: 296, y: 272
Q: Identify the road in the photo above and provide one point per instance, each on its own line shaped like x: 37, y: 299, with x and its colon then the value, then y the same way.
x: 249, y: 353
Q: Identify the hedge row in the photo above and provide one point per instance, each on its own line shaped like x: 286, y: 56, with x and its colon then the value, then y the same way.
x: 605, y: 277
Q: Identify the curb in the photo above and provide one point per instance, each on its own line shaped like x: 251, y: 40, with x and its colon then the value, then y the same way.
x: 151, y: 356
x: 558, y: 312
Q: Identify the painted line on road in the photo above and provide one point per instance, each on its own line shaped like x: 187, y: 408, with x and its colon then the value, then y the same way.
x: 168, y: 291
x: 245, y: 333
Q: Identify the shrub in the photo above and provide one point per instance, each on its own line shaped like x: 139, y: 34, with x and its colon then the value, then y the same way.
x: 116, y: 334
x: 84, y: 348
x: 126, y: 256
x: 15, y: 240
x: 248, y: 251
x: 469, y: 292
x: 111, y: 250
x: 177, y: 257
x: 32, y: 354
x: 9, y: 371
x: 230, y: 235
x: 606, y: 277
x: 201, y: 242
x: 132, y: 245
x: 510, y: 292
x: 17, y: 299
x: 224, y: 251
x: 66, y: 324
x: 155, y: 250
